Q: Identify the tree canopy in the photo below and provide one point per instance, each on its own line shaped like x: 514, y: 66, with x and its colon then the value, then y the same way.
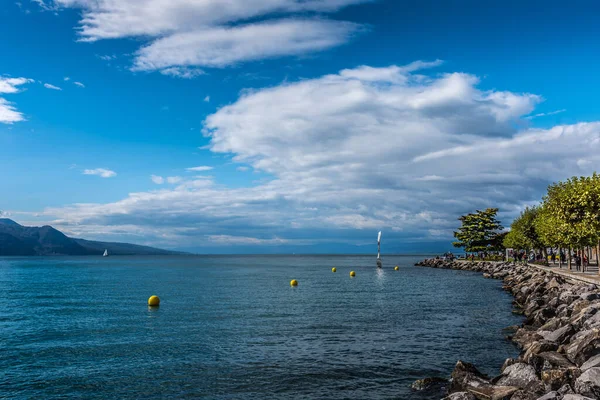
x: 523, y: 233
x: 479, y: 231
x: 570, y: 213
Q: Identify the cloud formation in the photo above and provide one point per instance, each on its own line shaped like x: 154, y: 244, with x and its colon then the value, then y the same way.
x: 354, y: 152
x: 210, y: 33
x: 101, y: 172
x: 8, y: 113
x: 200, y: 168
x: 182, y: 72
x: 52, y: 87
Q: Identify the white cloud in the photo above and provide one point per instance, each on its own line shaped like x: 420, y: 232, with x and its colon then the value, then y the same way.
x: 224, y: 46
x: 66, y: 79
x: 106, y: 57
x: 244, y: 240
x: 242, y: 169
x: 159, y: 180
x: 182, y: 72
x: 354, y: 152
x: 81, y: 85
x: 8, y: 112
x: 207, y: 99
x: 546, y: 114
x: 200, y: 169
x: 49, y: 86
x: 174, y: 179
x: 210, y: 33
x: 102, y: 172
x: 10, y: 85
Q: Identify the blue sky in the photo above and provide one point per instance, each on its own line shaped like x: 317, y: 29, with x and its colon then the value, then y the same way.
x: 320, y: 122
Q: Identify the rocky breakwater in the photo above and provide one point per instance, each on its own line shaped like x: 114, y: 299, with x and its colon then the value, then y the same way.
x: 559, y: 339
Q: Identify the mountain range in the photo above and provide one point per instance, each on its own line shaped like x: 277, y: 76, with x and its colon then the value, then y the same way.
x: 19, y: 240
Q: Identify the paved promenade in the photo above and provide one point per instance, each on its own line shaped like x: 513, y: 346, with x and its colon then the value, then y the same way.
x: 590, y: 276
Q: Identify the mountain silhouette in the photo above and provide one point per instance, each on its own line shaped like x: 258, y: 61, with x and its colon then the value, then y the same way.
x: 19, y: 240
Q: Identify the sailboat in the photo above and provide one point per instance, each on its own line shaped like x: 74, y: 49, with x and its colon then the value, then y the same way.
x: 378, y: 250
x: 105, y: 253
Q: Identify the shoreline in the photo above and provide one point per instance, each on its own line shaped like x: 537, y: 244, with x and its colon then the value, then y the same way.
x: 559, y: 338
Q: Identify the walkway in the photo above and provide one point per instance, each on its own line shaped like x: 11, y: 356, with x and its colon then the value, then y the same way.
x: 590, y: 276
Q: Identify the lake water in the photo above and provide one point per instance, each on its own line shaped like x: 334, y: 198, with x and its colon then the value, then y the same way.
x: 231, y: 327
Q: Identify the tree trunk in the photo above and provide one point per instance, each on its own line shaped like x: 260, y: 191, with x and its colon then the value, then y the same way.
x: 559, y: 259
x: 598, y: 256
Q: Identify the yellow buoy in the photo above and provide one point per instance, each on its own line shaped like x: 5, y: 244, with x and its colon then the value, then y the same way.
x: 352, y: 274
x: 294, y: 282
x: 153, y: 301
x: 333, y: 269
x: 396, y: 268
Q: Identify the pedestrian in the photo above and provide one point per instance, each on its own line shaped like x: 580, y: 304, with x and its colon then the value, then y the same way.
x: 577, y: 262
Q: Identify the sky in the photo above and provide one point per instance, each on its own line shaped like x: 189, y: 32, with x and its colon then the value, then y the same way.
x: 291, y: 126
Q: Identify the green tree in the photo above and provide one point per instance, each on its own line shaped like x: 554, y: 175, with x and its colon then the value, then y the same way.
x: 570, y: 213
x: 479, y: 231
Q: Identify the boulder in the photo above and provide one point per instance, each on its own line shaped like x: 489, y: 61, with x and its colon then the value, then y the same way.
x: 575, y: 397
x: 428, y: 383
x: 559, y: 335
x: 520, y: 375
x: 464, y: 375
x: 550, y: 396
x: 591, y: 363
x: 588, y: 384
x: 491, y: 392
x: 460, y: 396
x: 524, y: 337
x: 584, y: 347
x: 556, y: 378
x: 556, y: 359
x: 589, y: 296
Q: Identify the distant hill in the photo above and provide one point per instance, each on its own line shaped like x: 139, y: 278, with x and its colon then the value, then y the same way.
x: 19, y: 240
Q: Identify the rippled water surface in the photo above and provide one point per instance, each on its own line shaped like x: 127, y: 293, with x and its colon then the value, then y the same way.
x: 231, y: 327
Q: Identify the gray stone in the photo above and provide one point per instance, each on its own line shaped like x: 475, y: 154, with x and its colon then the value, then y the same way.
x: 550, y: 396
x: 460, y: 396
x: 584, y: 347
x: 559, y: 335
x: 520, y: 375
x: 575, y: 397
x: 590, y: 296
x: 588, y: 384
x: 591, y: 363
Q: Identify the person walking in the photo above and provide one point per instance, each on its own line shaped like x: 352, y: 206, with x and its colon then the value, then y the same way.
x: 577, y: 262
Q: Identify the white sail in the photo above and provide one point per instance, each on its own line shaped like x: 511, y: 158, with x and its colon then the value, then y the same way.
x: 105, y: 253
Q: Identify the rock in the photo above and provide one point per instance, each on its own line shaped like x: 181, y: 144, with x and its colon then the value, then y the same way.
x: 591, y: 363
x: 523, y: 395
x: 584, y: 347
x: 508, y: 362
x: 550, y: 396
x: 553, y: 284
x: 460, y: 396
x: 589, y: 296
x: 575, y: 397
x: 427, y: 383
x: 556, y: 359
x: 520, y: 375
x: 464, y: 375
x: 492, y: 392
x: 588, y: 384
x: 555, y: 378
x: 559, y: 335
x: 525, y: 337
